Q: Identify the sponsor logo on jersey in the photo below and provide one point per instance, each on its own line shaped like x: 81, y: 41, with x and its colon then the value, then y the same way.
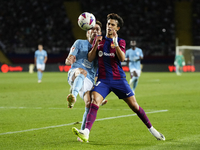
x: 86, y: 63
x: 109, y: 54
x: 100, y: 53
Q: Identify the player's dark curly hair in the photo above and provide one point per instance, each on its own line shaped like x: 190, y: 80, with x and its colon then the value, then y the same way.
x: 116, y: 17
x: 99, y: 23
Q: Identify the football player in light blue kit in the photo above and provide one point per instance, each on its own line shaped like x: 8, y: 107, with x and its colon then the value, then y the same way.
x: 134, y: 55
x: 81, y: 76
x: 40, y: 61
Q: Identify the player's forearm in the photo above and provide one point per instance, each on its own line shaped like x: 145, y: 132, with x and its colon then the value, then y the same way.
x: 45, y: 60
x: 67, y: 62
x: 92, y: 53
x: 120, y: 54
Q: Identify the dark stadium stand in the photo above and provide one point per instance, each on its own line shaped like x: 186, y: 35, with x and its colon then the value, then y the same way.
x: 24, y: 24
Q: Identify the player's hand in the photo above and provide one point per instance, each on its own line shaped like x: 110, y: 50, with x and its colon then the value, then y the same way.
x: 136, y: 58
x: 99, y: 39
x: 115, y: 38
x: 70, y: 60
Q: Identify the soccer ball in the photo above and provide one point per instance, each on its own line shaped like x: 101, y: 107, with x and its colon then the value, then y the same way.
x: 86, y: 21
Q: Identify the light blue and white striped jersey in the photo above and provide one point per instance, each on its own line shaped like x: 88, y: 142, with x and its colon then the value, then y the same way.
x: 40, y: 56
x: 132, y: 55
x: 80, y: 49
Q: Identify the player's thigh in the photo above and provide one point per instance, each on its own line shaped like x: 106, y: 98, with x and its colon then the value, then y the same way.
x: 39, y: 66
x: 102, y: 87
x: 135, y: 72
x: 80, y: 71
x: 121, y: 88
x: 87, y: 86
x: 42, y: 67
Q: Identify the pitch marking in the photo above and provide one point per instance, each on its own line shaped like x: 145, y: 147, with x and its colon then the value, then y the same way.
x: 62, y: 125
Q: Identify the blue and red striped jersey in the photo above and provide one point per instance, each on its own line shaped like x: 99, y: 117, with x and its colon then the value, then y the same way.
x: 109, y: 66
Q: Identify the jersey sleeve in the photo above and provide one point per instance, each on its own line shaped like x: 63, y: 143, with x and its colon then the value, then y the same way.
x: 45, y: 54
x: 122, y: 45
x: 75, y: 48
x: 141, y: 53
x: 36, y: 54
x: 126, y: 54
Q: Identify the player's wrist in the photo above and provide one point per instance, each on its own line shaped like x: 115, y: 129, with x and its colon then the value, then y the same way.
x: 115, y: 41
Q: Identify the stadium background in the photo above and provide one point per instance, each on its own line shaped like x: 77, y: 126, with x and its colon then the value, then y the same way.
x: 154, y: 24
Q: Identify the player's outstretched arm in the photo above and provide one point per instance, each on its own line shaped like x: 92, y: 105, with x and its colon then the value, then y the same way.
x: 92, y: 52
x: 70, y: 60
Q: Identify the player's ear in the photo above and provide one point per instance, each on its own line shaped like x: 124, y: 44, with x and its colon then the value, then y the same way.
x: 118, y: 28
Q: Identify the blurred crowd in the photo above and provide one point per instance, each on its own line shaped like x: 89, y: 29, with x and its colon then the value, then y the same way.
x: 149, y: 22
x: 196, y: 22
x: 25, y: 23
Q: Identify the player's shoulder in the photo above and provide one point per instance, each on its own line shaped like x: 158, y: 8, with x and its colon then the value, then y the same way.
x: 79, y: 41
x: 139, y: 49
x: 128, y: 50
x: 120, y: 39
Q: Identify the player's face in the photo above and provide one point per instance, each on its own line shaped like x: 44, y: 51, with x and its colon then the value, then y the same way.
x: 40, y: 47
x: 92, y: 33
x: 111, y: 25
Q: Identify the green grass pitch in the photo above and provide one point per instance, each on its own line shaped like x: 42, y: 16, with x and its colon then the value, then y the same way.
x: 35, y: 116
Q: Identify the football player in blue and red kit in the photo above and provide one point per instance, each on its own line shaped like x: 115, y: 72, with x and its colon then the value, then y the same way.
x: 110, y: 52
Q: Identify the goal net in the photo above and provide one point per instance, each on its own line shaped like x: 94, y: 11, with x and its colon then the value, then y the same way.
x: 192, y: 57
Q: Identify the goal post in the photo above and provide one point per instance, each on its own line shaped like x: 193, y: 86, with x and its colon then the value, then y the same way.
x: 194, y: 55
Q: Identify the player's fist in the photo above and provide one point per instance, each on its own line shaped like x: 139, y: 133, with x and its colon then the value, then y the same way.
x: 99, y: 38
x: 70, y: 60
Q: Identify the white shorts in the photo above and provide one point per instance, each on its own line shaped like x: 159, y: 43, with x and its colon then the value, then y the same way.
x: 136, y: 70
x: 40, y: 66
x: 87, y: 83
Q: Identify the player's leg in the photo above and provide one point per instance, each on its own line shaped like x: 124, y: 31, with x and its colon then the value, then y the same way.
x: 134, y: 79
x: 79, y: 77
x: 39, y: 72
x: 177, y: 69
x: 42, y: 69
x: 91, y: 117
x: 76, y: 80
x: 87, y: 100
x: 85, y: 95
x: 98, y: 94
x: 132, y: 103
x: 136, y: 74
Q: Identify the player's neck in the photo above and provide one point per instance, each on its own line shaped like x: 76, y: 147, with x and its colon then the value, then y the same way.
x: 90, y: 40
x: 109, y: 36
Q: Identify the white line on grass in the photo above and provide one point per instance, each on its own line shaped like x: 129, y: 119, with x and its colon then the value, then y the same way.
x: 62, y: 125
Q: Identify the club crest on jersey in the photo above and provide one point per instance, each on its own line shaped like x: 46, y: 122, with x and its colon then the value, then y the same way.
x: 72, y: 49
x: 112, y: 45
x: 100, y: 53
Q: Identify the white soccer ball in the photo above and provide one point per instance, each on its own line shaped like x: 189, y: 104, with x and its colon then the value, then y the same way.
x: 86, y: 21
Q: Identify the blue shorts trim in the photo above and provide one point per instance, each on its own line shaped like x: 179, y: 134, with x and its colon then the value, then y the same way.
x: 120, y: 87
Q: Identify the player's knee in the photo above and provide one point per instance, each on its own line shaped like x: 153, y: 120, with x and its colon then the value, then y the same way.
x: 81, y: 71
x: 87, y: 104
